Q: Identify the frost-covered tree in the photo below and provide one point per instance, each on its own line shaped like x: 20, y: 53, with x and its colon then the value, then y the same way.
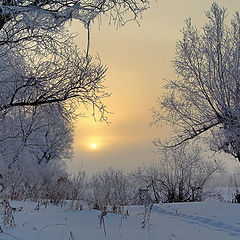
x: 37, y: 20
x: 36, y: 135
x: 45, y: 78
x: 66, y: 78
x: 35, y: 30
x: 110, y: 187
x: 204, y: 99
x: 180, y: 175
x: 55, y: 13
x: 33, y: 144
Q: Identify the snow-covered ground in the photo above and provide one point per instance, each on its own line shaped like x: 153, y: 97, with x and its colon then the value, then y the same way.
x: 178, y: 221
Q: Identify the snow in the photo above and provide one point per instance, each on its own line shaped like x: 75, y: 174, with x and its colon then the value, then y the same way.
x: 178, y: 221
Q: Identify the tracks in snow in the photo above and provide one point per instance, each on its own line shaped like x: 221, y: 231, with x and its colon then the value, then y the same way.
x: 206, y: 222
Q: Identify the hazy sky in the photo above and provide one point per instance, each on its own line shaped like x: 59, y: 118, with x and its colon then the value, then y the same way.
x: 138, y: 60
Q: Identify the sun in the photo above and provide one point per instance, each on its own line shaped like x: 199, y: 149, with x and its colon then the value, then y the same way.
x: 93, y: 146
x: 93, y: 143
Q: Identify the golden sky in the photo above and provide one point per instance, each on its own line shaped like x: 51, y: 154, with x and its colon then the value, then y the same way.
x: 138, y: 60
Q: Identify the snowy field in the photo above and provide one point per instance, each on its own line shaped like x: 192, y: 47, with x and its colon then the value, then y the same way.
x: 179, y: 221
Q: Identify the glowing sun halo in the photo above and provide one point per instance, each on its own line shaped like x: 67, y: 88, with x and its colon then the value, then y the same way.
x: 93, y: 146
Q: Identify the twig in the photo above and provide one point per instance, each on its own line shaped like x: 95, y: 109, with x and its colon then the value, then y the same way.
x: 59, y: 224
x: 9, y: 235
x: 102, y: 222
